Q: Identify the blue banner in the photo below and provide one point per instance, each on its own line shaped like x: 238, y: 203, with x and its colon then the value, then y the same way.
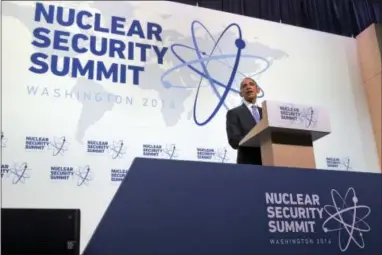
x: 181, y: 207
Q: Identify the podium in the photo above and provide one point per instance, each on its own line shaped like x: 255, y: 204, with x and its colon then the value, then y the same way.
x: 286, y: 134
x: 174, y: 207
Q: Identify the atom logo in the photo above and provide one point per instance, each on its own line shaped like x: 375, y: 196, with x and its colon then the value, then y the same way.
x: 349, y: 220
x: 345, y: 164
x: 221, y: 155
x: 117, y: 149
x: 170, y: 151
x: 84, y: 175
x: 308, y: 116
x: 19, y: 172
x: 203, y: 58
x: 58, y: 145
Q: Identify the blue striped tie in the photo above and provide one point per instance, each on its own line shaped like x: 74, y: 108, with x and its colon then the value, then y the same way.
x: 255, y: 113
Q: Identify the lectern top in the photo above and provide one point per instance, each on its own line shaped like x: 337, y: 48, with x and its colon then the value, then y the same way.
x: 289, y: 118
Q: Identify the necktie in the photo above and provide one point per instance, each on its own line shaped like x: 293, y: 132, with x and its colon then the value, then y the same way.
x: 255, y: 113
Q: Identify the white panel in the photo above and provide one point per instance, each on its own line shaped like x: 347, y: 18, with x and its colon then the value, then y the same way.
x: 298, y: 116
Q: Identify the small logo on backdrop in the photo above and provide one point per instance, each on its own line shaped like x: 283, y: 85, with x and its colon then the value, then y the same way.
x: 18, y: 173
x: 57, y: 145
x: 306, y: 116
x: 212, y: 154
x: 4, y: 140
x: 336, y: 163
x: 116, y: 149
x: 168, y: 151
x: 81, y: 175
x: 117, y: 175
x: 290, y: 214
x: 84, y: 175
x: 348, y: 219
x: 221, y: 155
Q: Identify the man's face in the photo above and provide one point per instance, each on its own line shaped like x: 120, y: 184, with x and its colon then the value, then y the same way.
x: 249, y: 90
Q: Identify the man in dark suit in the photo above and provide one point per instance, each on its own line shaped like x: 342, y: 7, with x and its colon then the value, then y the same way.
x: 241, y: 119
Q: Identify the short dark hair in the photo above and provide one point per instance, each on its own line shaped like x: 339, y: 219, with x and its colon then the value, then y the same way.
x: 241, y: 83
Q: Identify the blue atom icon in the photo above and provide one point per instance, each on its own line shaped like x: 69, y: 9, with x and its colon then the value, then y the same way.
x: 221, y: 155
x: 203, y: 59
x: 345, y: 163
x: 117, y: 149
x: 349, y: 220
x: 58, y: 145
x: 84, y: 175
x: 170, y: 151
x: 19, y: 173
x: 308, y: 116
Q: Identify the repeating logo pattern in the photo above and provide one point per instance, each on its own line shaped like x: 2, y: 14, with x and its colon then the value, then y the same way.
x: 84, y: 175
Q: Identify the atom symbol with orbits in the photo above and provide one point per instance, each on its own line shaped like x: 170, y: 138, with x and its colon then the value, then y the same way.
x: 84, y: 175
x: 170, y: 151
x: 203, y: 58
x: 349, y: 219
x: 20, y: 173
x: 308, y: 116
x: 59, y: 146
x: 221, y: 155
x: 117, y: 149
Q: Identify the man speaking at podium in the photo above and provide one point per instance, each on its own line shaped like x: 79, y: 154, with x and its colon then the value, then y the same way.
x: 241, y: 119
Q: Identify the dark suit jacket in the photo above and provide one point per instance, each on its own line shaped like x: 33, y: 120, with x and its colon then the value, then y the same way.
x: 239, y: 122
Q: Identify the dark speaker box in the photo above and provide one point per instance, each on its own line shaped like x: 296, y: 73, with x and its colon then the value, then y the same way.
x: 40, y: 231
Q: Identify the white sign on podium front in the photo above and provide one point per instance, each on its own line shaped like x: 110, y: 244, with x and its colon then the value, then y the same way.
x: 296, y: 116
